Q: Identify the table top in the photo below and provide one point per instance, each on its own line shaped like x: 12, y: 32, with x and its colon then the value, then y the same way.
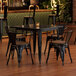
x: 49, y: 28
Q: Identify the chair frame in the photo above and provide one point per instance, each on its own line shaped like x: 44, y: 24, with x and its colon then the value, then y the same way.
x: 19, y: 48
x: 9, y: 42
x: 60, y: 48
x: 60, y: 31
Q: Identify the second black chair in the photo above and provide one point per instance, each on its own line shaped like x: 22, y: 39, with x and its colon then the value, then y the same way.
x: 57, y: 36
x: 60, y: 46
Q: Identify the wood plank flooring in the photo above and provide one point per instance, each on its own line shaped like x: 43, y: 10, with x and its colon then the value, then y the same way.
x: 53, y: 68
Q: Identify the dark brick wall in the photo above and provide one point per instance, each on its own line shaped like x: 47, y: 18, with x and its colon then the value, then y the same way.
x: 74, y: 10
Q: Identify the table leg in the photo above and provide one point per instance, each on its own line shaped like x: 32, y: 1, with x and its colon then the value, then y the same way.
x: 39, y: 45
x: 62, y: 49
x: 34, y: 42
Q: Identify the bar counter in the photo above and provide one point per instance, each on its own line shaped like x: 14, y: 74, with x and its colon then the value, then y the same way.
x: 22, y: 11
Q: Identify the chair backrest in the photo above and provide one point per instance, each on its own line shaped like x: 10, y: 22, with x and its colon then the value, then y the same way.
x: 31, y: 6
x: 11, y: 35
x: 5, y: 12
x: 60, y: 30
x: 68, y: 36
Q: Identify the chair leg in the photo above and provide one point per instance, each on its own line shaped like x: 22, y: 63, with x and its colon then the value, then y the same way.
x: 69, y: 54
x: 13, y: 54
x: 48, y: 38
x: 8, y: 58
x: 62, y: 53
x: 50, y: 46
x: 19, y: 54
x: 9, y: 55
x: 57, y: 52
x: 26, y: 51
x: 25, y: 47
x: 31, y: 55
x: 45, y: 46
x: 7, y: 48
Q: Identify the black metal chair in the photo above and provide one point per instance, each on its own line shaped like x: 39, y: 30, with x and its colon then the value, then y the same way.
x: 27, y: 18
x: 19, y: 46
x: 57, y: 36
x: 18, y: 38
x: 60, y: 46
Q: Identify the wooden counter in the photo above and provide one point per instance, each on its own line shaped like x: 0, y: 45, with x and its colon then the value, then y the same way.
x: 22, y: 11
x: 15, y: 17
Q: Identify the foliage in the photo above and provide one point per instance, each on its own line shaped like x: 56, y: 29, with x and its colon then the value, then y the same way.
x: 65, y: 9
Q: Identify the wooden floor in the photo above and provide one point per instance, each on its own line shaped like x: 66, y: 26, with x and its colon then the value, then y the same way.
x: 53, y: 68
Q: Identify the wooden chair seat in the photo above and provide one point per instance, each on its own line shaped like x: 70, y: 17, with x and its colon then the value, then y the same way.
x: 21, y: 43
x: 58, y: 42
x: 55, y: 36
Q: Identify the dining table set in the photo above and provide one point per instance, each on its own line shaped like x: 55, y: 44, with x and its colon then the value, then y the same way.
x: 36, y: 30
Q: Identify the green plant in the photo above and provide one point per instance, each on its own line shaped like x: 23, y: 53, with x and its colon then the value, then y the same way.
x: 65, y: 8
x: 65, y: 11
